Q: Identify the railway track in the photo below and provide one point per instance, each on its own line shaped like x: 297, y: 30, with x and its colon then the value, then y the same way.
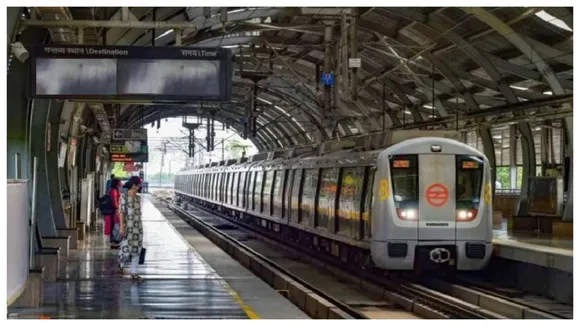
x: 514, y: 303
x: 430, y: 297
x: 413, y: 297
x: 204, y: 227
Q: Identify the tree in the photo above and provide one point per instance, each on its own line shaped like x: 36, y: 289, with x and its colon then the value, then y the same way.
x: 235, y: 148
x: 503, y: 176
x: 119, y: 170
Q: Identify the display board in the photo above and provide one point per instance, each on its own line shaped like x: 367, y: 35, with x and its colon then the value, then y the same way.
x: 123, y: 73
x: 129, y: 145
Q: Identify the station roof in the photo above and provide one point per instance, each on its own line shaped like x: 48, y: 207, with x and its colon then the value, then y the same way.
x: 420, y: 67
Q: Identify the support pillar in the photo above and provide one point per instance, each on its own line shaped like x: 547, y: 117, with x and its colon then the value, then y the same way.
x: 569, y: 207
x: 18, y: 104
x: 38, y: 126
x: 545, y: 150
x: 529, y: 165
x: 53, y: 182
x: 354, y: 53
x: 489, y: 151
x: 327, y: 64
x: 513, y: 157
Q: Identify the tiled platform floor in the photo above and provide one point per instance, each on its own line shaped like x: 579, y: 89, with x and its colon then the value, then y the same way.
x: 177, y: 283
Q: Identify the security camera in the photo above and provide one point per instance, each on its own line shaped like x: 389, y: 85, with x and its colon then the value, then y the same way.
x: 20, y: 51
x: 83, y: 128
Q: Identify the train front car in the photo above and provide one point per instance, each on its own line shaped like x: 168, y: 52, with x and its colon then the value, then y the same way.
x: 432, y: 206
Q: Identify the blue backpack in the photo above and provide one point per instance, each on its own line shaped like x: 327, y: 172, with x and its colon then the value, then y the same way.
x: 106, y: 205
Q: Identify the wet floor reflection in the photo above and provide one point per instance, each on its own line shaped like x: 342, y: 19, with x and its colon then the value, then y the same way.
x: 177, y: 283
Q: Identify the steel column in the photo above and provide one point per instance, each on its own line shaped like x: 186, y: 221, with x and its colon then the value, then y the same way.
x: 489, y: 151
x: 568, y: 208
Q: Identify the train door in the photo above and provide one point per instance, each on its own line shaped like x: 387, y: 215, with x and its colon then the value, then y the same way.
x: 436, y: 197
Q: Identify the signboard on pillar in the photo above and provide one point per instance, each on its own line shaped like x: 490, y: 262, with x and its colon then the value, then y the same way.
x: 131, y: 73
x: 354, y: 62
x: 327, y: 78
x: 72, y: 153
x: 129, y: 145
x: 62, y: 155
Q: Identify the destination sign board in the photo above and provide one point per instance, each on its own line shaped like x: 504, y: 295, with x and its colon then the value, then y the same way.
x: 129, y: 145
x: 129, y: 134
x: 128, y: 73
x: 130, y: 157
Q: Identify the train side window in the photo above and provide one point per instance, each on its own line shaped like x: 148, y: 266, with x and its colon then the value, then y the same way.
x: 216, y: 186
x: 295, y: 196
x: 233, y: 187
x: 224, y: 186
x: 350, y: 200
x: 405, y: 181
x: 258, y: 190
x: 267, y: 196
x: 278, y: 195
x: 242, y: 193
x: 307, y: 206
x: 327, y: 198
x: 218, y: 183
x: 368, y: 196
x: 469, y: 181
x: 285, y: 191
x: 210, y: 178
x: 206, y: 187
x: 250, y: 189
x: 229, y: 184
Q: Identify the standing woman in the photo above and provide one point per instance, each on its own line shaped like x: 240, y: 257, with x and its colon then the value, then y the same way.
x: 131, y: 227
x: 111, y: 220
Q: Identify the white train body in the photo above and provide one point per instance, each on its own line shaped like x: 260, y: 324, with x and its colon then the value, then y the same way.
x: 423, y: 201
x: 422, y: 207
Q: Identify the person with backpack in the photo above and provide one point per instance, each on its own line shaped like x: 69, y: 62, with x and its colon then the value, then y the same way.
x: 109, y: 206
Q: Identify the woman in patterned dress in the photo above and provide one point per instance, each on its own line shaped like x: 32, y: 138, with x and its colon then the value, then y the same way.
x: 131, y: 227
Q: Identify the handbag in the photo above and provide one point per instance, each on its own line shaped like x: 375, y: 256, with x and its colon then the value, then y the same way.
x: 116, y: 234
x: 142, y: 256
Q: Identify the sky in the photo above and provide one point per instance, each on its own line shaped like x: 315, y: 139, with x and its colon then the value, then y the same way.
x: 175, y: 159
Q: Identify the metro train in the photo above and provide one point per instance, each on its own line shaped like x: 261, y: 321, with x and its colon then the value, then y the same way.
x: 420, y: 203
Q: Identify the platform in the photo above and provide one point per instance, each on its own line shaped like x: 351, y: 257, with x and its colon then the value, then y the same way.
x: 536, y: 263
x: 542, y: 250
x: 179, y: 282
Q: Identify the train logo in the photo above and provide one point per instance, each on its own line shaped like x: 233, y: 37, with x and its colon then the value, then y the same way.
x: 437, y: 195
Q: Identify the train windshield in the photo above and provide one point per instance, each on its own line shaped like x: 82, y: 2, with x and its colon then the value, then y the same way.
x: 405, y: 179
x: 469, y: 178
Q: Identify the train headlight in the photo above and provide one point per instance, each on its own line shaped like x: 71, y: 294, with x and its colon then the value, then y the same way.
x: 465, y: 215
x: 408, y: 214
